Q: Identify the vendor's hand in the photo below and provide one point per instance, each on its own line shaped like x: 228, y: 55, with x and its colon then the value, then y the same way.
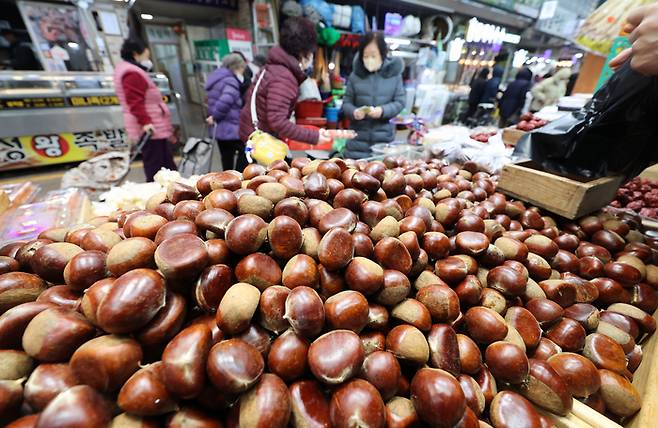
x: 642, y: 24
x: 210, y: 120
x: 359, y: 114
x: 376, y: 112
x: 148, y: 128
x: 324, y: 137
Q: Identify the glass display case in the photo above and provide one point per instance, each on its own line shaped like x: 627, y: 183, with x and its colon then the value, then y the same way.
x: 48, y: 118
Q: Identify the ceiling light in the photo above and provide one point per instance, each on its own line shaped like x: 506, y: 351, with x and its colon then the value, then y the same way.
x: 146, y: 16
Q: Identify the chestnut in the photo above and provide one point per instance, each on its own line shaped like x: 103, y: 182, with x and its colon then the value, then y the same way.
x: 181, y: 257
x: 568, y: 335
x: 546, y: 388
x: 509, y: 409
x: 391, y: 253
x: 382, y: 370
x: 444, y: 349
x: 54, y: 334
x: 300, y: 271
x: 305, y: 311
x: 267, y: 404
x: 8, y: 264
x: 144, y: 225
x: 62, y: 296
x: 412, y: 312
x: 336, y: 249
x: 347, y: 310
x: 84, y: 269
x: 19, y: 287
x: 506, y: 280
x: 441, y: 301
x: 245, y: 234
x: 619, y: 395
x: 79, y: 405
x: 512, y: 248
x: 437, y: 397
x: 507, y: 362
x: 221, y: 198
x: 364, y: 275
x: 310, y: 242
x: 50, y: 260
x: 578, y: 373
x: 211, y: 286
x: 129, y: 254
x: 560, y: 291
x: 14, y: 321
x: 485, y: 325
x: 237, y: 308
x: 310, y: 407
x: 132, y: 301
x: 288, y: 356
x: 145, y: 394
x: 338, y: 217
x: 406, y: 342
x: 587, y: 315
x: 336, y: 356
x: 605, y: 353
x: 294, y: 208
x: 359, y: 401
x: 400, y: 413
x: 46, y: 382
x: 259, y: 270
x: 234, y: 366
x: 526, y: 324
x: 610, y: 291
x: 452, y: 269
x: 106, y: 362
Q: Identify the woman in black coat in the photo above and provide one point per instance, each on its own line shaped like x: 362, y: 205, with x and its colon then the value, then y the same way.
x: 477, y: 89
x: 514, y: 97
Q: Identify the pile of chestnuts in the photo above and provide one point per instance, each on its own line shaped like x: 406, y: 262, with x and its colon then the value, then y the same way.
x: 332, y: 293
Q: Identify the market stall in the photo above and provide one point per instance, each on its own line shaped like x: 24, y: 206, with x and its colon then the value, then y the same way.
x: 326, y: 292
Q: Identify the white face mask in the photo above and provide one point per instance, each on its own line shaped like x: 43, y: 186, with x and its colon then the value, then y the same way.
x: 372, y: 64
x: 147, y: 64
x: 306, y: 62
x: 240, y: 77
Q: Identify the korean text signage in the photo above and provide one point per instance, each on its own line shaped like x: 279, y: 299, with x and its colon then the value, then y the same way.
x: 55, y: 102
x: 48, y: 149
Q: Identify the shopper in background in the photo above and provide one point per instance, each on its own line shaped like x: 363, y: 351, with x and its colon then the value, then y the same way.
x: 549, y: 91
x: 642, y: 25
x: 278, y: 91
x: 245, y: 77
x: 143, y: 108
x: 491, y: 88
x: 373, y: 96
x: 21, y: 55
x: 511, y: 103
x: 224, y: 104
x: 258, y: 63
x: 477, y: 89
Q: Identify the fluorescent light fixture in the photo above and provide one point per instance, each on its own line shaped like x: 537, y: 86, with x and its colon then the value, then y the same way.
x: 455, y: 49
x: 394, y: 46
x: 332, y: 66
x: 73, y: 45
x: 397, y: 40
x: 146, y: 16
x: 579, y: 55
x: 512, y: 38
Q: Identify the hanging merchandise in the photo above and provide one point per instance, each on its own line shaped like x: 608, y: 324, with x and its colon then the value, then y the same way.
x: 342, y: 16
x: 292, y: 8
x: 606, y: 23
x: 392, y: 24
x: 358, y: 20
x: 328, y: 36
x: 410, y: 26
x: 318, y: 10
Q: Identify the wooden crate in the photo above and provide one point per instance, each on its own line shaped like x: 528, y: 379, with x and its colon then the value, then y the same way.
x: 645, y: 380
x: 511, y: 135
x: 564, y: 196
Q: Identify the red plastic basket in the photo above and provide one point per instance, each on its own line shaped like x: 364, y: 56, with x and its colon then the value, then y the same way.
x: 297, y: 145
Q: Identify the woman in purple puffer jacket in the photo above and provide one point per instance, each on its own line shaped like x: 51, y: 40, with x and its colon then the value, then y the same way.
x: 224, y: 104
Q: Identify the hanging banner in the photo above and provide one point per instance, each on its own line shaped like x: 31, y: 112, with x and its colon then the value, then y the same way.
x: 34, y: 150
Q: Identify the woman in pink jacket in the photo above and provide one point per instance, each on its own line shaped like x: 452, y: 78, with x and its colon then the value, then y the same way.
x: 143, y: 108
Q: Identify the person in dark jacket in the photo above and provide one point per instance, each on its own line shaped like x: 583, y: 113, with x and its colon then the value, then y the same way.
x: 224, y: 104
x: 20, y: 52
x: 513, y: 98
x: 246, y: 77
x: 373, y: 96
x: 477, y: 89
x: 279, y: 88
x: 491, y: 88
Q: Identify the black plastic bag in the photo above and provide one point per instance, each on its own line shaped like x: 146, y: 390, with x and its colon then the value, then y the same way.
x: 615, y: 133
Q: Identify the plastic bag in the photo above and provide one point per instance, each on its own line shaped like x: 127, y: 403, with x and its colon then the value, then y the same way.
x: 613, y: 134
x: 264, y: 148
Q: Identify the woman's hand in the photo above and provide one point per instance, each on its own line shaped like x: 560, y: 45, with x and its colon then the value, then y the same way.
x: 324, y: 137
x: 148, y: 128
x: 359, y: 114
x: 376, y: 113
x: 210, y: 120
x: 642, y: 24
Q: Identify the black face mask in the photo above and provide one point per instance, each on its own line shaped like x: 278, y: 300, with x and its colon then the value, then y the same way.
x: 308, y: 71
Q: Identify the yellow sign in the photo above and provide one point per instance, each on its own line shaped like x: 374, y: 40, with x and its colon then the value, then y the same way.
x: 34, y: 150
x: 111, y: 100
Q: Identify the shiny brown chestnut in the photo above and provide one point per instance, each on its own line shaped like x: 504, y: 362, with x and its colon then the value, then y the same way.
x: 46, y: 382
x: 509, y: 409
x: 336, y: 356
x: 79, y: 405
x: 336, y: 249
x: 406, y: 342
x: 357, y: 400
x: 54, y: 334
x: 579, y: 373
x: 305, y: 311
x: 300, y: 271
x: 234, y: 366
x: 441, y: 301
x: 259, y: 270
x: 245, y: 234
x: 347, y: 310
x: 484, y: 325
x: 288, y: 356
x: 437, y: 397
